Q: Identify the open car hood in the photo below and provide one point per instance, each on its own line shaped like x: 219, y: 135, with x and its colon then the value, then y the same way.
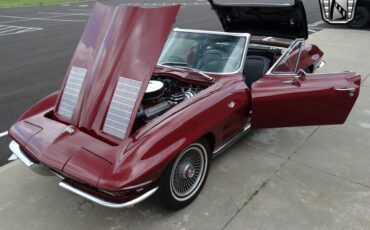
x: 87, y: 130
x: 275, y: 20
x: 111, y: 68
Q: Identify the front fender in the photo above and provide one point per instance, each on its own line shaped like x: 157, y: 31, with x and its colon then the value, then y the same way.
x: 44, y: 104
x: 148, y: 156
x: 21, y: 131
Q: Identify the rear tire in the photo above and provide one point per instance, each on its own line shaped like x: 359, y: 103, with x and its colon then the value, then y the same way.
x: 185, y: 176
x: 361, y: 18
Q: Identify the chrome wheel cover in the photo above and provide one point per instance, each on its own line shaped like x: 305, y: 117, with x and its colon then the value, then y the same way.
x: 188, y: 172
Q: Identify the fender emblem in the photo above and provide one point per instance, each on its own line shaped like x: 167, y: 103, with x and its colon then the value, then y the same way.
x: 231, y: 104
x: 69, y: 130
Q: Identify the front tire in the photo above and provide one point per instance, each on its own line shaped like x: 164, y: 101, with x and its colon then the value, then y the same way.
x: 185, y: 177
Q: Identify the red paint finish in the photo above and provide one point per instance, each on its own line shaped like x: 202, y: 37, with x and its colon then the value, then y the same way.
x: 86, y: 165
x: 155, y: 146
x: 314, y: 101
x: 40, y: 106
x: 127, y: 41
x: 25, y: 131
x: 311, y: 55
x: 122, y: 41
x: 88, y: 50
x: 131, y: 52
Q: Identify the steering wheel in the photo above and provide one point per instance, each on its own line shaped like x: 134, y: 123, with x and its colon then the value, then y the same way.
x: 175, y: 59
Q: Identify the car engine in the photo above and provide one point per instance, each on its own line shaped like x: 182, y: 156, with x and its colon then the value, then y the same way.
x: 162, y: 94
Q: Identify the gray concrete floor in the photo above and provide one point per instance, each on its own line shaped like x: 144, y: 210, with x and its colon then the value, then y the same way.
x: 290, y: 178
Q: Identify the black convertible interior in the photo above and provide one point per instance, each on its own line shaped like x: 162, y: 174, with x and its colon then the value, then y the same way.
x: 211, y: 61
x: 258, y: 62
x: 222, y: 54
x: 255, y: 67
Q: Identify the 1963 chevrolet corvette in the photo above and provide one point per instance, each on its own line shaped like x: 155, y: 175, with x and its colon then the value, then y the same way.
x: 145, y: 108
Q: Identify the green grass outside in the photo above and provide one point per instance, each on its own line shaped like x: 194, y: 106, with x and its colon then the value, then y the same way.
x: 12, y: 3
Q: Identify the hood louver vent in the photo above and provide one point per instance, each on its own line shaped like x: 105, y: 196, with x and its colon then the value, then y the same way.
x: 71, y: 92
x: 121, y: 107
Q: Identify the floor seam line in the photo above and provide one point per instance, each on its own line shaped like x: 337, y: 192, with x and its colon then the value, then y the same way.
x: 330, y: 174
x: 255, y: 193
x: 303, y: 142
x: 264, y: 151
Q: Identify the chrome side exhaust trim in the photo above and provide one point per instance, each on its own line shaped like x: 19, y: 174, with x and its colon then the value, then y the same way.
x: 232, y: 141
x: 103, y: 202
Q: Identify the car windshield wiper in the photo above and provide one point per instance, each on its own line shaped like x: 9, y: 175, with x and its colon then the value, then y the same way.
x: 184, y: 66
x: 174, y: 63
x: 201, y: 73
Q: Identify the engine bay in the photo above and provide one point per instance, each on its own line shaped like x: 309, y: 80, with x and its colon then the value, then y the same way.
x: 162, y: 94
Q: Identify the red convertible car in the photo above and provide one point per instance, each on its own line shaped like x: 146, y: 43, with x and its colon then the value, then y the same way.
x: 144, y: 108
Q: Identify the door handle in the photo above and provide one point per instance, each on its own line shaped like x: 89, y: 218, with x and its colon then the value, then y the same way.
x: 346, y: 89
x: 294, y: 81
x: 290, y: 82
x: 351, y: 91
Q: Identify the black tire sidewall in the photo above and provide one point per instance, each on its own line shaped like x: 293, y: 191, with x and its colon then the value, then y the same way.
x: 365, y: 18
x: 164, y: 193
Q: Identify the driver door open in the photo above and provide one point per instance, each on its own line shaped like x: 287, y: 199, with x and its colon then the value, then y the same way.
x: 287, y: 97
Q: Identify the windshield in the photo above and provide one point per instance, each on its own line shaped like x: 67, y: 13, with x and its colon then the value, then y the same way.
x: 212, y: 53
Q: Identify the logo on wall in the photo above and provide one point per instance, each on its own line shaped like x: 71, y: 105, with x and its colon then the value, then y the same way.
x: 338, y: 11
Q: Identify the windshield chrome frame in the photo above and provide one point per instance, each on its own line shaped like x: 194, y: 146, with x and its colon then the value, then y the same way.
x: 247, y: 36
x: 271, y: 71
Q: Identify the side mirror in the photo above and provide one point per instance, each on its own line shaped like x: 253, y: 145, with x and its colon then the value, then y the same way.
x: 301, y: 75
x: 297, y: 79
x: 321, y: 64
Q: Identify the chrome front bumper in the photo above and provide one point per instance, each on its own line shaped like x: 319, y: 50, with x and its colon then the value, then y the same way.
x: 42, y: 170
x: 103, y: 202
x: 19, y: 154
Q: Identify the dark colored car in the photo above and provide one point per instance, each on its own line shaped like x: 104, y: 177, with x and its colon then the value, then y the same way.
x: 362, y: 14
x: 144, y: 110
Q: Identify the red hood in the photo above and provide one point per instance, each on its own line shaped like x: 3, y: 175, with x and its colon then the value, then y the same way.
x: 121, y: 46
x: 118, y: 43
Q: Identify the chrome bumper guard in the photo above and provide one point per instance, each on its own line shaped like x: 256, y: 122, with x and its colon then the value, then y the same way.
x: 19, y: 154
x: 39, y: 169
x: 106, y: 203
